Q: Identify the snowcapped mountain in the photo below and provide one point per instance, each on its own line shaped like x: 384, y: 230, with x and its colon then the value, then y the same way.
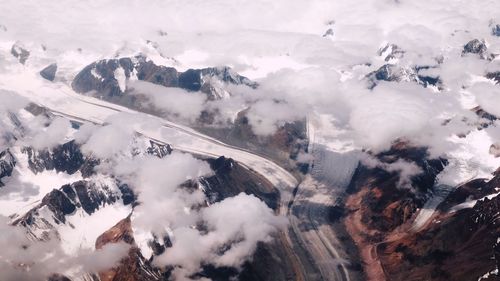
x: 236, y: 140
x: 107, y: 78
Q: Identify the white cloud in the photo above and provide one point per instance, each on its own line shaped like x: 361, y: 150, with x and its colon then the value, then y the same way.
x: 243, y: 220
x: 266, y: 116
x: 391, y: 112
x: 107, y: 141
x: 406, y: 170
x: 235, y: 225
x: 487, y: 96
x: 52, y: 135
x: 10, y: 104
x: 156, y: 181
x: 115, y: 137
x: 177, y: 103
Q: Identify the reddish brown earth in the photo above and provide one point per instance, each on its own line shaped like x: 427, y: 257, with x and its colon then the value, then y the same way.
x: 131, y: 268
x: 457, y: 245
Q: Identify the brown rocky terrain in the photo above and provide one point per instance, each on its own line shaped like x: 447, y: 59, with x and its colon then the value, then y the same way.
x: 455, y: 245
x: 133, y: 267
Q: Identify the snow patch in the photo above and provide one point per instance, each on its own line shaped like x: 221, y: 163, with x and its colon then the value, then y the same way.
x: 81, y: 230
x: 24, y: 189
x: 121, y: 78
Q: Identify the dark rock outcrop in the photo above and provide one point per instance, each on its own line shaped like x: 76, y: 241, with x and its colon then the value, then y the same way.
x: 100, y: 77
x: 328, y: 33
x: 128, y: 195
x: 494, y: 76
x: 231, y: 178
x: 477, y: 47
x: 483, y: 114
x: 495, y: 30
x: 7, y: 164
x: 159, y: 150
x: 66, y: 158
x: 388, y: 72
x: 20, y: 53
x: 396, y: 73
x: 49, y: 72
x: 472, y: 190
x: 66, y: 200
x: 92, y: 197
x: 58, y: 202
x: 390, y: 52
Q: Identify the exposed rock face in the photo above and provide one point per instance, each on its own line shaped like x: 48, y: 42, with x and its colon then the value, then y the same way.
x: 376, y: 207
x: 49, y: 72
x: 494, y: 76
x: 133, y: 267
x: 64, y: 158
x: 128, y: 195
x: 103, y: 78
x: 7, y: 164
x: 463, y: 247
x: 230, y: 179
x: 457, y: 244
x: 473, y: 190
x: 495, y: 30
x: 388, y: 73
x: 58, y: 202
x: 159, y: 150
x: 488, y: 117
x: 20, y: 53
x: 100, y: 77
x: 477, y: 47
x: 396, y: 73
x: 391, y: 52
x: 328, y: 33
x: 90, y: 196
x: 65, y: 200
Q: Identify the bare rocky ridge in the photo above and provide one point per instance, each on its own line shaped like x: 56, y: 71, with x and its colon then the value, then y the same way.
x: 100, y: 77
